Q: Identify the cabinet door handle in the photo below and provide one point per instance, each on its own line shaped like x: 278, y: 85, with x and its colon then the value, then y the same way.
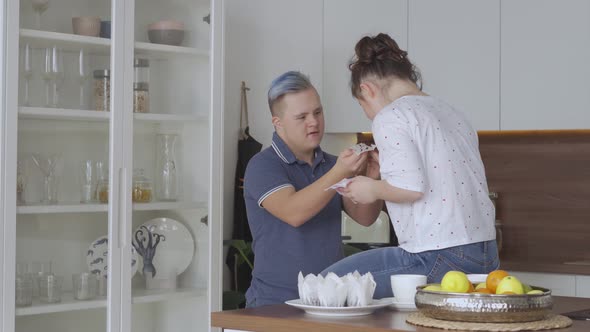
x: 123, y: 198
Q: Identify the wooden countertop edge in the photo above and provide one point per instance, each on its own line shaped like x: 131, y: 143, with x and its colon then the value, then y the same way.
x: 236, y: 319
x: 550, y: 267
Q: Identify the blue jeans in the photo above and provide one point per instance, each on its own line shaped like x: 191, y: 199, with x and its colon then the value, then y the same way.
x: 481, y: 257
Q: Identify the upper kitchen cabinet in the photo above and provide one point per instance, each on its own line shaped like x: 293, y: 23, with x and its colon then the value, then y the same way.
x: 264, y: 39
x: 345, y: 22
x: 455, y: 45
x: 544, y: 72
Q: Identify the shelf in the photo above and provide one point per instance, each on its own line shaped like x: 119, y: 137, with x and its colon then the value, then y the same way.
x: 162, y: 118
x: 85, y: 208
x: 66, y: 41
x: 169, y: 206
x: 44, y: 113
x: 96, y: 45
x: 61, y: 208
x: 158, y: 51
x: 68, y: 303
x: 48, y: 113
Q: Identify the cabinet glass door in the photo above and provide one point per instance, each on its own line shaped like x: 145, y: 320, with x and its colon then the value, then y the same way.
x: 171, y: 165
x: 64, y: 243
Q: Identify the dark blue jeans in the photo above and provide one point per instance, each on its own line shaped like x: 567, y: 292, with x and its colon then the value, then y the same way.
x: 481, y: 257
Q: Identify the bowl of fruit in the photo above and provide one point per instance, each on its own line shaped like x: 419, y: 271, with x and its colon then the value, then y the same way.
x: 502, y: 298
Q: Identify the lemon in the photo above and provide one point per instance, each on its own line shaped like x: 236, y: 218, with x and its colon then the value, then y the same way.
x: 534, y: 291
x: 480, y: 285
x: 526, y: 288
x: 510, y: 284
x: 455, y: 281
x: 433, y: 288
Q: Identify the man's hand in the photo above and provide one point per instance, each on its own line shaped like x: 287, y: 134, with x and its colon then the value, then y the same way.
x: 349, y: 163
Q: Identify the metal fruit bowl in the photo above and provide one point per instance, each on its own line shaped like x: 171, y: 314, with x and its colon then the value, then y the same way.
x: 484, y: 308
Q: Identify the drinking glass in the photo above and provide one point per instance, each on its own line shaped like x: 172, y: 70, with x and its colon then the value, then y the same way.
x: 39, y: 6
x: 85, y: 285
x: 23, y: 290
x: 47, y: 167
x: 167, y: 180
x: 50, y: 288
x: 57, y: 73
x: 27, y: 72
x: 47, y: 74
x: 20, y: 183
x: 88, y: 182
x: 83, y: 77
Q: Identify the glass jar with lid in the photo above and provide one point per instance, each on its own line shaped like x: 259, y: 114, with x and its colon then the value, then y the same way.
x: 102, y: 89
x: 141, y: 85
x: 142, y: 187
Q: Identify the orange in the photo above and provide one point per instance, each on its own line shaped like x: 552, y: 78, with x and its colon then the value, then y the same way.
x: 483, y: 291
x: 471, y: 288
x: 494, y: 279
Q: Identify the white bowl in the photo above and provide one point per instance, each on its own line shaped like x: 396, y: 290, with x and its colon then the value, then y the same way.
x: 477, y: 278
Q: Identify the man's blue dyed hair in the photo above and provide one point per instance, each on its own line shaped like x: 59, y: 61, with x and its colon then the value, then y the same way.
x: 289, y: 82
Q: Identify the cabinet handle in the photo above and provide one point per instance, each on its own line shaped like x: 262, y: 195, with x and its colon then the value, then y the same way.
x: 123, y: 207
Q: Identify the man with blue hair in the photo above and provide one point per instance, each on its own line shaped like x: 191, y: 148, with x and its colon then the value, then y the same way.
x: 295, y: 222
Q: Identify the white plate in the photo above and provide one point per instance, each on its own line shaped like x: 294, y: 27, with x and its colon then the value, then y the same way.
x: 477, y: 278
x: 402, y: 306
x: 340, y: 311
x: 97, y: 257
x: 175, y: 251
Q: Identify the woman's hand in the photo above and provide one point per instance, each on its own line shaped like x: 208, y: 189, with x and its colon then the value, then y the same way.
x: 361, y: 190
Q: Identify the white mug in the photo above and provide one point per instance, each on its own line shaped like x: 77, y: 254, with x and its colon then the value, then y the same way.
x: 404, y: 286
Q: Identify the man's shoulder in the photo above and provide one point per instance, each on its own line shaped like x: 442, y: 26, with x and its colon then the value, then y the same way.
x: 264, y: 160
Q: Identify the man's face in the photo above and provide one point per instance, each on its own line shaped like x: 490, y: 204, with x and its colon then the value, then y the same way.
x: 299, y: 120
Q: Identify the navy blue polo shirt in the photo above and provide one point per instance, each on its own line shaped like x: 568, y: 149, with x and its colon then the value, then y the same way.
x: 281, y: 250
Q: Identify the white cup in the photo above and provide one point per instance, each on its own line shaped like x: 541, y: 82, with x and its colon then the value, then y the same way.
x: 404, y: 286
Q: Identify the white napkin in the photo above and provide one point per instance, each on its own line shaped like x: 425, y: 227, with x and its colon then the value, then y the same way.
x: 308, y: 288
x: 353, y: 290
x: 333, y: 291
x: 360, y: 289
x: 341, y: 184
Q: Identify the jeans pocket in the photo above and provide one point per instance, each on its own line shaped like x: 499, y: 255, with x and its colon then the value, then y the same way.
x: 441, y: 266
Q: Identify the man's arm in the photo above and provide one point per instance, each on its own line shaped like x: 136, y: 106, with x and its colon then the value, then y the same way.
x: 297, y: 207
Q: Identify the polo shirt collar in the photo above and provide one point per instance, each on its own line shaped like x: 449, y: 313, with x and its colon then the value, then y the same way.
x: 286, y: 155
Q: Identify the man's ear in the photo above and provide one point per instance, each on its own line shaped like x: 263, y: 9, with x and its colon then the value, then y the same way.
x: 276, y: 122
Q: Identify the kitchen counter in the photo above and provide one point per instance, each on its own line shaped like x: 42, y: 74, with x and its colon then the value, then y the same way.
x: 580, y: 267
x: 284, y: 318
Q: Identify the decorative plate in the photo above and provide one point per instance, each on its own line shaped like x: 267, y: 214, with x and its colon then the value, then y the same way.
x: 97, y: 257
x: 175, y: 249
x: 340, y: 311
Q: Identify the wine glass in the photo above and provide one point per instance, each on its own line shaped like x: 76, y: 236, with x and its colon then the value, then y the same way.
x: 39, y: 6
x: 83, y: 77
x: 52, y: 73
x: 46, y: 165
x: 27, y: 72
x: 47, y: 75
